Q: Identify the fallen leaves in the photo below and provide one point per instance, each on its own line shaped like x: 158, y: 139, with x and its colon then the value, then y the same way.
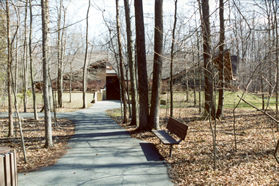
x: 252, y: 163
x: 34, y: 132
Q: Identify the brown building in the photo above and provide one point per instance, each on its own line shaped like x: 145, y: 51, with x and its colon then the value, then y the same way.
x: 112, y: 84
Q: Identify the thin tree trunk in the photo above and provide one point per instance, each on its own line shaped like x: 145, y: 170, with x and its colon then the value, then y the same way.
x: 127, y: 95
x: 70, y: 83
x: 142, y: 69
x: 19, y: 120
x: 172, y: 56
x: 25, y: 59
x: 157, y: 67
x: 45, y: 22
x: 269, y: 48
x: 194, y: 79
x: 221, y: 62
x: 122, y: 81
x: 200, y: 72
x: 16, y: 64
x: 53, y: 99
x: 131, y: 63
x: 31, y: 63
x: 71, y: 76
x: 277, y: 60
x: 59, y: 56
x: 187, y: 84
x: 208, y: 69
x: 62, y: 54
x: 9, y: 67
x: 85, y: 61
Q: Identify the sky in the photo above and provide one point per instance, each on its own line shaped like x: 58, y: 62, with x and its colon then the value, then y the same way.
x: 77, y: 11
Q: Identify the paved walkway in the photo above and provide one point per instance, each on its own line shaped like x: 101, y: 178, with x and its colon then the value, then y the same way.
x: 101, y: 153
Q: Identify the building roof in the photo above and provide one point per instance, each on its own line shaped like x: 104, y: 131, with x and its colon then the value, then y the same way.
x: 180, y: 63
x: 76, y: 60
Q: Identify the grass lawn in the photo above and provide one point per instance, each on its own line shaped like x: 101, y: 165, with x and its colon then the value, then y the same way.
x: 230, y: 100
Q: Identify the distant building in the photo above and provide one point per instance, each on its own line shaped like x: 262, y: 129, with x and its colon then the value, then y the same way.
x: 112, y: 84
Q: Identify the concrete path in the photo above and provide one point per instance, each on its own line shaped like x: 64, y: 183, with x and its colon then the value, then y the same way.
x: 101, y: 153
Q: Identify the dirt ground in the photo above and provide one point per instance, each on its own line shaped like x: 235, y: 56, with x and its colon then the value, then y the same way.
x: 249, y: 161
x: 37, y: 155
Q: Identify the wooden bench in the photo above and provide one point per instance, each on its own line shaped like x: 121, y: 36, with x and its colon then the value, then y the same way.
x: 8, y: 167
x: 174, y: 127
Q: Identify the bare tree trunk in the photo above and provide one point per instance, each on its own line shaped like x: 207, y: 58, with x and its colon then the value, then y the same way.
x: 131, y: 63
x: 268, y: 7
x: 194, y: 78
x: 200, y: 72
x: 19, y: 119
x: 16, y: 65
x: 277, y: 60
x: 53, y: 99
x: 45, y: 22
x: 70, y: 83
x: 221, y: 62
x: 25, y: 76
x: 122, y: 80
x: 31, y: 63
x: 208, y: 69
x: 157, y: 67
x: 59, y: 56
x: 85, y: 61
x: 71, y: 76
x: 62, y: 53
x: 142, y: 69
x: 9, y: 67
x: 172, y: 56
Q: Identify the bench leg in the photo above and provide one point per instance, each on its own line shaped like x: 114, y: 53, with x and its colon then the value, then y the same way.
x: 171, y: 151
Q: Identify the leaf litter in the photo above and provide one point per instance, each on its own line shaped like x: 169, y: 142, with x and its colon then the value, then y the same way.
x: 251, y: 163
x: 34, y: 135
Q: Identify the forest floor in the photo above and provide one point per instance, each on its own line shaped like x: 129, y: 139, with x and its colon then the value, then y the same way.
x: 34, y: 137
x: 192, y: 161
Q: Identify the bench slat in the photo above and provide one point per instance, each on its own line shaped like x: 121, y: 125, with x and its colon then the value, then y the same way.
x: 165, y: 137
x: 178, y: 128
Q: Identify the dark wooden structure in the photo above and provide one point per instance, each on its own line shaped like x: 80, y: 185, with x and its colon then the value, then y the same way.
x: 112, y: 87
x: 174, y: 127
x: 8, y: 168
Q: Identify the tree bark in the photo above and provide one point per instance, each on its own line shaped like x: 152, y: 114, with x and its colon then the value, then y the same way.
x: 157, y: 66
x: 31, y: 63
x: 172, y: 56
x: 221, y: 62
x: 277, y: 60
x: 59, y: 57
x: 122, y: 80
x: 47, y: 117
x: 9, y: 68
x: 208, y: 67
x: 199, y: 71
x: 142, y: 71
x: 131, y: 63
x: 85, y: 61
x: 194, y: 76
x: 25, y: 59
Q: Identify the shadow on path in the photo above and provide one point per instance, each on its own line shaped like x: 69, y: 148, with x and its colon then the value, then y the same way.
x: 102, y: 153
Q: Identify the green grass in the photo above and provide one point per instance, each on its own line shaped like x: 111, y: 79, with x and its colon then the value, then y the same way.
x: 230, y: 100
